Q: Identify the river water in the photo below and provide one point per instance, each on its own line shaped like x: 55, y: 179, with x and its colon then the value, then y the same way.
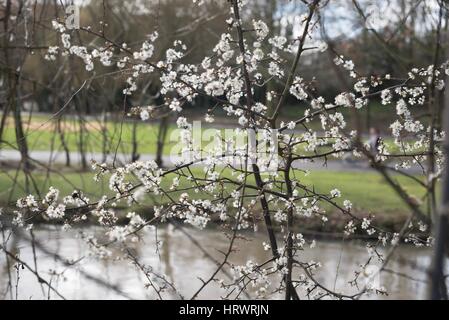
x: 183, y: 263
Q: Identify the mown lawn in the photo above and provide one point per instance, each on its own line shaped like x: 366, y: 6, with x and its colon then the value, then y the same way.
x: 366, y: 190
x: 42, y: 136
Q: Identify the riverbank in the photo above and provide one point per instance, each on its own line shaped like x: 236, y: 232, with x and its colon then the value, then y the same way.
x: 369, y: 193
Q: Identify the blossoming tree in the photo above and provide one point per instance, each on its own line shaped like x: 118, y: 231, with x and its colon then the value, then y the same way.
x: 261, y: 179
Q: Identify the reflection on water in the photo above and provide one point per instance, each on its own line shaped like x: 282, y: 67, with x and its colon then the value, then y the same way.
x: 184, y: 263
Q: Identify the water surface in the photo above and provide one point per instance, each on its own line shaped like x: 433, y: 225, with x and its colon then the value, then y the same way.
x: 183, y: 263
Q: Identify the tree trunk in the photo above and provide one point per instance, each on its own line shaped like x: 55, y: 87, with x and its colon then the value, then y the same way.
x: 161, y: 137
x: 12, y: 79
x: 134, y: 153
x: 438, y: 289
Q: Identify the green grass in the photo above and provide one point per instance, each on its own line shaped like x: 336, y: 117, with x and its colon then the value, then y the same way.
x: 118, y: 136
x: 366, y: 190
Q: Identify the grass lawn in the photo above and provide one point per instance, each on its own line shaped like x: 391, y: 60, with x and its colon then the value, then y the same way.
x: 367, y: 191
x: 41, y: 135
